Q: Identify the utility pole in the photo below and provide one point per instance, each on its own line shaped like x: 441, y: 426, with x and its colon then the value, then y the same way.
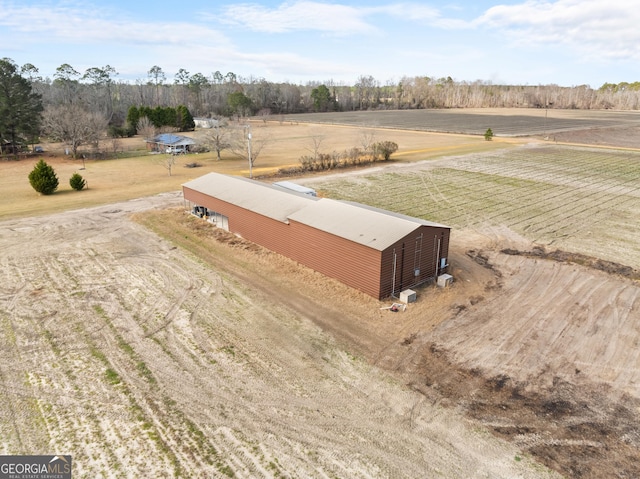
x: 546, y: 109
x: 249, y: 151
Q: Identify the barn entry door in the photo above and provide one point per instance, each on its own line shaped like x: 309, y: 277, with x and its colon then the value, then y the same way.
x: 417, y: 257
x: 398, y: 271
x: 222, y: 221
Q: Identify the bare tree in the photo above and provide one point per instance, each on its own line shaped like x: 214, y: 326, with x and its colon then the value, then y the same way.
x: 146, y: 128
x: 367, y: 91
x: 74, y: 126
x: 116, y: 145
x: 168, y: 129
x: 100, y: 91
x: 264, y: 113
x: 367, y: 138
x: 168, y: 162
x: 217, y: 138
x: 315, y: 149
x: 247, y: 145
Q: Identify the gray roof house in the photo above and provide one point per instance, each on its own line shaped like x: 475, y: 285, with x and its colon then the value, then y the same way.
x: 165, y: 141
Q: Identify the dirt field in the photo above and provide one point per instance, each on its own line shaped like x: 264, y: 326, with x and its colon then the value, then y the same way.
x: 141, y: 360
x: 162, y: 347
x: 571, y: 125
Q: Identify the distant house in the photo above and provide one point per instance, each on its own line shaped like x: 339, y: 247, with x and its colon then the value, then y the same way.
x: 206, y: 122
x: 170, y: 143
x: 7, y: 147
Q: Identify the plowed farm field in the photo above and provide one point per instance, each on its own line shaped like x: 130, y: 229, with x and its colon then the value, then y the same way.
x: 147, y: 343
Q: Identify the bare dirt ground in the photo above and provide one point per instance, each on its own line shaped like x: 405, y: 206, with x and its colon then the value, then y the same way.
x: 549, y: 358
x: 190, y: 352
x: 624, y: 137
x: 141, y: 360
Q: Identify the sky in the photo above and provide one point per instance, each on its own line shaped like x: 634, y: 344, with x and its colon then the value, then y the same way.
x: 532, y: 42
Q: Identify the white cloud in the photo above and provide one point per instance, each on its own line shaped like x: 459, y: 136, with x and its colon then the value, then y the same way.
x: 81, y: 26
x: 398, y: 37
x: 407, y: 11
x: 338, y: 19
x: 596, y: 28
x: 207, y: 59
x: 304, y: 15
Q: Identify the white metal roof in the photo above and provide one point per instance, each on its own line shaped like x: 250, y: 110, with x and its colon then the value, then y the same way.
x: 359, y: 223
x: 289, y: 185
x: 372, y: 227
x: 251, y: 195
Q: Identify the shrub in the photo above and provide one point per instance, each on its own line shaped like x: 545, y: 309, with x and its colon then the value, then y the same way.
x: 384, y: 149
x: 488, y: 135
x: 43, y: 178
x: 121, y: 131
x: 77, y: 182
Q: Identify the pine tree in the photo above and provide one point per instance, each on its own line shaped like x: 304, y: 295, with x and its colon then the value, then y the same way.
x: 77, y: 182
x: 185, y: 121
x: 488, y: 135
x: 20, y: 107
x: 43, y: 178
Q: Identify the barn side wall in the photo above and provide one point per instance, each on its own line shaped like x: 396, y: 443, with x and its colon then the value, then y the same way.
x: 366, y: 269
x: 350, y: 263
x: 267, y: 232
x: 416, y: 252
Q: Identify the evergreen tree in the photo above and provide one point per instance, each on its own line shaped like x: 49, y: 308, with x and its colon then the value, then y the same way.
x: 133, y: 115
x: 163, y: 116
x: 185, y: 121
x: 239, y: 103
x: 20, y: 108
x: 321, y: 97
x: 43, y: 178
x: 77, y: 182
x: 488, y: 135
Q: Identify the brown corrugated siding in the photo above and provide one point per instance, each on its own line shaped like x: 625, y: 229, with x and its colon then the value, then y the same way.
x: 267, y: 232
x: 350, y: 263
x: 356, y: 265
x: 408, y: 259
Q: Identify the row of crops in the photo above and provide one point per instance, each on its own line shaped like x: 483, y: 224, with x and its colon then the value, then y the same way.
x: 583, y: 200
x: 529, y: 122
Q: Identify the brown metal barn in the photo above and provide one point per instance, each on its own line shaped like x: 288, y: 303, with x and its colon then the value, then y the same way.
x: 375, y: 251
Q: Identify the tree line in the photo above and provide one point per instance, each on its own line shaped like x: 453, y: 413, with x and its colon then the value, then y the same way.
x: 31, y: 104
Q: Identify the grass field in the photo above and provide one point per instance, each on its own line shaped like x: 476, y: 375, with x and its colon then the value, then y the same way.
x: 578, y: 199
x: 144, y: 175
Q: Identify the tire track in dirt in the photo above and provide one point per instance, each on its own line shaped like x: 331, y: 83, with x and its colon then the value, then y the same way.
x: 237, y: 376
x: 550, y: 321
